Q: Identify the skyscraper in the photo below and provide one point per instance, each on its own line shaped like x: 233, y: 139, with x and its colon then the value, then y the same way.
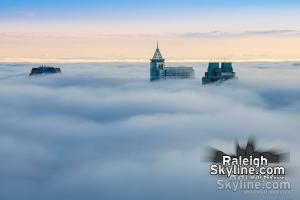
x: 215, y: 73
x: 158, y: 70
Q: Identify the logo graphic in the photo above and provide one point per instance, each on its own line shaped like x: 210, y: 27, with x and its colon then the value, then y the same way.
x: 250, y: 170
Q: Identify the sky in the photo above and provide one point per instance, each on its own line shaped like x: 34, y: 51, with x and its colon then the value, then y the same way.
x: 128, y: 30
x: 104, y: 131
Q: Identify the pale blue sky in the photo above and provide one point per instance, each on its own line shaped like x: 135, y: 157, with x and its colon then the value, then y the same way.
x: 61, y: 10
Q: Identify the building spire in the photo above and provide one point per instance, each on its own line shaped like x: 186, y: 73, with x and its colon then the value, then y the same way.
x: 157, y: 54
x: 157, y: 45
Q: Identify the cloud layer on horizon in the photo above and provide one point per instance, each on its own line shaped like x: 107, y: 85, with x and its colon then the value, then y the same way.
x: 222, y: 34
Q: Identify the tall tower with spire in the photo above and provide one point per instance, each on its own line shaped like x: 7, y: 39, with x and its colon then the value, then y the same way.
x: 158, y: 70
x: 157, y: 65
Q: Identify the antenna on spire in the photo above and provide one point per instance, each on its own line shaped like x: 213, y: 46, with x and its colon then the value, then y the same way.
x: 157, y: 44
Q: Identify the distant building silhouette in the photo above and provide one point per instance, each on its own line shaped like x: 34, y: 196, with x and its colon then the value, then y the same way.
x: 215, y: 73
x: 44, y: 70
x: 158, y: 70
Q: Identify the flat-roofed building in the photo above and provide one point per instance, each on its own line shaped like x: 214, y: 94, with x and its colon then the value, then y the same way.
x: 215, y: 73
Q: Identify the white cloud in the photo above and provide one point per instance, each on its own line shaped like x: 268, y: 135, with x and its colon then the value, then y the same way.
x: 27, y: 14
x: 95, y: 132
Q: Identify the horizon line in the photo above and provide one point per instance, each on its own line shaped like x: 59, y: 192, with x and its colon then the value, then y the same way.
x: 70, y: 61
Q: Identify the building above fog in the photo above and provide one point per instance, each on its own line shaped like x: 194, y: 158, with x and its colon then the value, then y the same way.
x: 44, y: 70
x: 215, y: 73
x: 158, y: 70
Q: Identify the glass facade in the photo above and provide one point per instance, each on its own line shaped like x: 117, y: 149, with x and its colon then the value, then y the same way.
x: 216, y: 73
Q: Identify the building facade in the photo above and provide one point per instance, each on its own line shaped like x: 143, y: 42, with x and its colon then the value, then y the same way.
x: 216, y: 73
x: 158, y: 70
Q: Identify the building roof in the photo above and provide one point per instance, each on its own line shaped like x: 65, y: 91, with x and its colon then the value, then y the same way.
x: 179, y: 68
x: 157, y: 55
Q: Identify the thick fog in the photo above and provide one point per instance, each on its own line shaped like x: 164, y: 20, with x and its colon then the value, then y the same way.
x: 104, y: 131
